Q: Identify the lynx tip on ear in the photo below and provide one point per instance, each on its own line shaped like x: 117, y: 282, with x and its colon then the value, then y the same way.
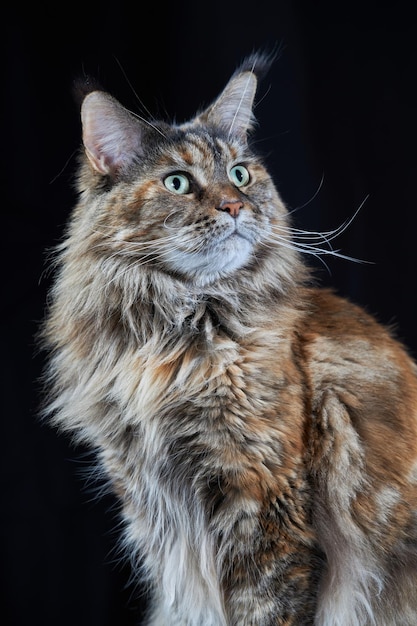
x: 82, y: 86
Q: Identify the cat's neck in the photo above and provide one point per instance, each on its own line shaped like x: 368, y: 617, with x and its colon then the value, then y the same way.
x: 167, y: 306
x: 149, y: 302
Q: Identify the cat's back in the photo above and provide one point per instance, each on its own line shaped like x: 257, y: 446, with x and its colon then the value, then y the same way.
x: 344, y: 345
x: 362, y: 450
x: 348, y: 355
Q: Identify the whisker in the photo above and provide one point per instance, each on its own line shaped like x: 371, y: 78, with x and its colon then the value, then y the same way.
x: 329, y: 235
x: 241, y: 100
x: 148, y: 123
x: 167, y: 218
x: 314, y: 250
x: 133, y: 89
x: 311, y: 242
x: 137, y: 245
x: 315, y: 194
x: 139, y: 117
x: 63, y: 167
x: 154, y: 251
x: 290, y: 245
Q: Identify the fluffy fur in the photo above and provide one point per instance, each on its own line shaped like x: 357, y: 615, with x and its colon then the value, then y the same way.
x: 260, y: 432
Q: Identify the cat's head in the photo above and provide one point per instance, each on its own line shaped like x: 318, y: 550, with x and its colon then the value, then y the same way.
x: 190, y: 200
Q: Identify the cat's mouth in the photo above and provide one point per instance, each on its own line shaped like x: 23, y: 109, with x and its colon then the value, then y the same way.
x: 236, y: 237
x: 237, y: 230
x: 230, y: 252
x: 242, y: 235
x: 222, y: 255
x: 239, y: 234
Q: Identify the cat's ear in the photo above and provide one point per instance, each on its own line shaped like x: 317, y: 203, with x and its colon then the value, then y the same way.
x: 112, y: 136
x: 233, y: 109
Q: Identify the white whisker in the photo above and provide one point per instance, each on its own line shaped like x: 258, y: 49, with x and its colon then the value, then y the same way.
x: 290, y: 245
x: 312, y: 242
x: 167, y: 218
x: 137, y: 97
x: 241, y: 99
x: 315, y: 194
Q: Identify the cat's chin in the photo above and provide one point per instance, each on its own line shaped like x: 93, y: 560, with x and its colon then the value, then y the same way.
x: 223, y: 259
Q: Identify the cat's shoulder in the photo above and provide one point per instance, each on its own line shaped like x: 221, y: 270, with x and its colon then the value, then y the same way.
x: 335, y: 316
x: 342, y: 339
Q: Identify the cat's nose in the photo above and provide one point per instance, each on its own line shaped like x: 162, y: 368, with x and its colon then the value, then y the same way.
x: 232, y: 207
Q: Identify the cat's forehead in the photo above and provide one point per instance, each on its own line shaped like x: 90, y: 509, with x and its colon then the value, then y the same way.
x: 197, y: 147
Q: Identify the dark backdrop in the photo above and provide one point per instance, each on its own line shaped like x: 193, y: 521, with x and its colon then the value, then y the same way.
x: 338, y: 124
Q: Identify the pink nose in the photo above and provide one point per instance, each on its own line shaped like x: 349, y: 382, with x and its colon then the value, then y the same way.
x: 231, y: 207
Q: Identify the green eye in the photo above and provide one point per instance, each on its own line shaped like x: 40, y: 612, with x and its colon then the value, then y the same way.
x: 177, y: 183
x: 239, y: 175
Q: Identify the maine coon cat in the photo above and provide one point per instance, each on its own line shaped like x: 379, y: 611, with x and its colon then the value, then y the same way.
x: 260, y: 432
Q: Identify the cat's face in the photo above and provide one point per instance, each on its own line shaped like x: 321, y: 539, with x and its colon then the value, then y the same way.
x: 219, y: 200
x: 190, y: 200
x: 201, y: 209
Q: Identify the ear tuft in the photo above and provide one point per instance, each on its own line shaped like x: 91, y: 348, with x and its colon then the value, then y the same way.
x: 82, y: 86
x: 233, y: 109
x: 259, y: 63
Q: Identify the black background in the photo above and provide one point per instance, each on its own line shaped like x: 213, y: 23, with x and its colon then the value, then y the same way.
x: 338, y: 125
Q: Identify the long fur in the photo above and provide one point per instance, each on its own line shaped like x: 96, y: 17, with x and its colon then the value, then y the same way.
x: 261, y: 433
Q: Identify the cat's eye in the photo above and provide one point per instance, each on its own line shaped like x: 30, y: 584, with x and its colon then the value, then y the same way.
x: 239, y: 175
x: 177, y: 183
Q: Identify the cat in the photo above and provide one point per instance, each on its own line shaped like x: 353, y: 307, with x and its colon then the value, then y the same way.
x: 259, y: 430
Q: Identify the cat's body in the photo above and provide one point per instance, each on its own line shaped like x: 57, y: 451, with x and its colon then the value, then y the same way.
x: 261, y: 433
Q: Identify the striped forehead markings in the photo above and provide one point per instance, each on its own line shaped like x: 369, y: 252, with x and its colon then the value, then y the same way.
x: 197, y: 147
